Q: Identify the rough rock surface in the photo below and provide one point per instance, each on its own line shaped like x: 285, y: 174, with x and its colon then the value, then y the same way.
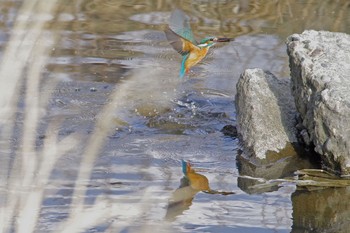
x: 320, y: 70
x: 265, y: 113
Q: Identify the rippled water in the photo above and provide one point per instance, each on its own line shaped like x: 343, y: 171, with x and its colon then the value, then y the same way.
x: 103, y: 46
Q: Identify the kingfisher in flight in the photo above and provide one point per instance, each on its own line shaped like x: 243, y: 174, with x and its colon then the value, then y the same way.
x: 180, y: 36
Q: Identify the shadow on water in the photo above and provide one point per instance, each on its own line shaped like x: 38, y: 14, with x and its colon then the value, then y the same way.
x: 181, y: 199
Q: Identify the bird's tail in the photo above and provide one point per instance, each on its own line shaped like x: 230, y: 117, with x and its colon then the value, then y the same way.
x: 183, y: 68
x: 182, y: 73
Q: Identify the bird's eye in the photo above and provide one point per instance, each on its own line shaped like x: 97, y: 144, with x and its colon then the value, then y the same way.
x: 211, y: 39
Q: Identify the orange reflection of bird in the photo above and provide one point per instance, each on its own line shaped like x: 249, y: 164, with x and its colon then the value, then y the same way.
x: 190, y: 185
x: 197, y: 181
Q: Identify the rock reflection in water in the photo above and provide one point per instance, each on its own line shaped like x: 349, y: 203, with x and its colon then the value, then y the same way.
x: 190, y: 185
x: 325, y: 210
x: 266, y: 176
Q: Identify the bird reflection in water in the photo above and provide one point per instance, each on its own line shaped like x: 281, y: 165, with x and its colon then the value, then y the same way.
x: 190, y: 184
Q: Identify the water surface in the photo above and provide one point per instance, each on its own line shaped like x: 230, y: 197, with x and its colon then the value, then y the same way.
x: 103, y: 46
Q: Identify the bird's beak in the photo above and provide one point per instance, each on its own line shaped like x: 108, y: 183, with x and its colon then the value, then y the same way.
x: 223, y: 39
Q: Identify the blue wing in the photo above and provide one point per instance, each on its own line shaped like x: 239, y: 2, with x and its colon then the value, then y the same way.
x: 180, y: 24
x: 178, y: 42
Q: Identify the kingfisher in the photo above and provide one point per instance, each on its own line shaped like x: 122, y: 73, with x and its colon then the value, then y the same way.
x: 180, y: 37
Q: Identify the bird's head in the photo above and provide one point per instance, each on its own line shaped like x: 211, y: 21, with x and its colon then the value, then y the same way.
x: 210, y: 41
x: 207, y: 42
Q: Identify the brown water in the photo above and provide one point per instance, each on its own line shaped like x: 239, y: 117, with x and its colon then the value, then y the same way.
x: 106, y: 45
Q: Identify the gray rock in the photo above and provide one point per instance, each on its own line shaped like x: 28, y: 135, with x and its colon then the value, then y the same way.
x: 265, y: 114
x: 320, y: 70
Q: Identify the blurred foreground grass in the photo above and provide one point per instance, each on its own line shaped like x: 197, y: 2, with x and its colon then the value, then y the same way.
x: 26, y: 174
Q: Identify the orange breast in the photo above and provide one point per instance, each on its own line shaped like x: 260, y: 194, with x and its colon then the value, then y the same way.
x: 196, y: 55
x: 198, y: 181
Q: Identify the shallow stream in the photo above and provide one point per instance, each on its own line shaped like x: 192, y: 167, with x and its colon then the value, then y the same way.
x: 107, y: 50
